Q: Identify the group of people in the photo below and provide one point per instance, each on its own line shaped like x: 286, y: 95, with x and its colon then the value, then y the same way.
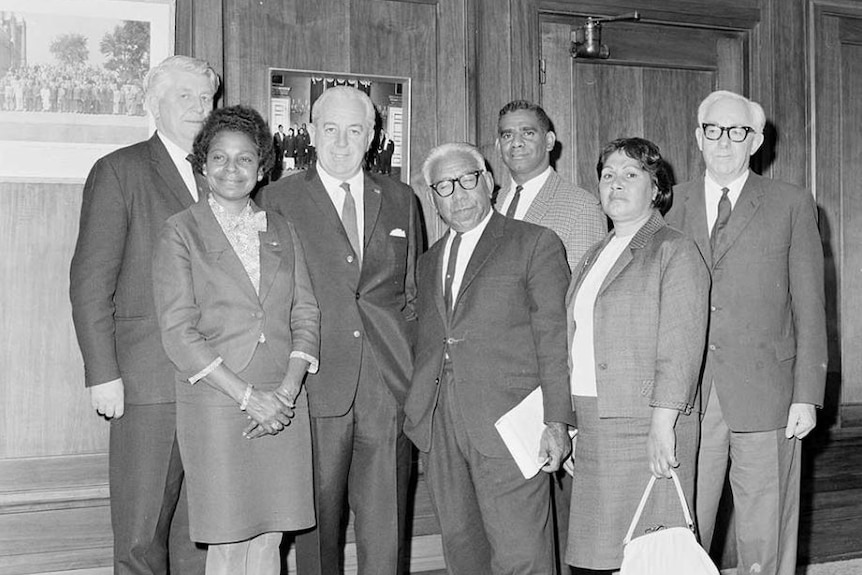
x: 293, y: 150
x: 75, y: 89
x: 271, y: 360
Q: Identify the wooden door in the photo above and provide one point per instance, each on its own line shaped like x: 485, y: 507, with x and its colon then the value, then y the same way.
x: 651, y: 85
x: 837, y: 141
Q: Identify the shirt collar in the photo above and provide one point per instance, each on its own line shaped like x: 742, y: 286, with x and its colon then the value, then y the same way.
x: 229, y: 221
x: 475, y: 232
x: 713, y: 189
x: 534, y: 184
x: 355, y: 181
x: 177, y: 154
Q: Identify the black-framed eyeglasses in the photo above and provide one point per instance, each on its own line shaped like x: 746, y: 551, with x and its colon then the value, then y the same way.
x: 468, y: 181
x: 737, y: 134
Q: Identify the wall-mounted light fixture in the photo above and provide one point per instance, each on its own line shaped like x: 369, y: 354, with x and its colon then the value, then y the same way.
x: 587, y: 40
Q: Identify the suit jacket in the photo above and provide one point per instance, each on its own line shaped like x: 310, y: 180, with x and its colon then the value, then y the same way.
x: 370, y: 306
x: 127, y: 197
x: 767, y: 335
x: 573, y: 213
x: 649, y: 322
x: 208, y: 307
x: 506, y: 335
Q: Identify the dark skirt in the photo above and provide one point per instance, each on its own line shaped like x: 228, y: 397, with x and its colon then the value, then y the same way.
x: 239, y: 488
x: 611, y: 472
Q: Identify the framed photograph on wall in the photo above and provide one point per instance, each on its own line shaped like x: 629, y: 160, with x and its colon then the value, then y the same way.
x: 292, y: 97
x: 71, y: 81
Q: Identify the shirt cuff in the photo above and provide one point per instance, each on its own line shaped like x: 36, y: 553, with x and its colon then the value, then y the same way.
x: 205, y: 371
x: 313, y: 364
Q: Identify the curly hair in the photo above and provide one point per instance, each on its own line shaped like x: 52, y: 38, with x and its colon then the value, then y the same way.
x: 241, y: 119
x: 649, y: 156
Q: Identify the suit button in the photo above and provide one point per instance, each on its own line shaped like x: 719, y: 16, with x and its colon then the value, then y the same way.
x: 712, y: 308
x: 356, y: 333
x: 357, y: 295
x: 437, y: 380
x: 712, y: 347
x: 603, y: 366
x: 349, y: 259
x: 262, y: 338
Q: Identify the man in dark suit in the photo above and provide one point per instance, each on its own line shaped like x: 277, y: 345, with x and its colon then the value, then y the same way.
x: 279, y: 141
x: 765, y: 366
x: 535, y: 192
x: 127, y: 198
x: 492, y: 328
x: 387, y: 148
x: 361, y: 238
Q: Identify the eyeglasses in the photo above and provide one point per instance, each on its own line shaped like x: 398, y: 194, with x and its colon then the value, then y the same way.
x: 735, y: 133
x: 468, y: 181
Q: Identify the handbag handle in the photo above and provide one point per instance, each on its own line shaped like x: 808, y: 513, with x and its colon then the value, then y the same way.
x: 642, y: 504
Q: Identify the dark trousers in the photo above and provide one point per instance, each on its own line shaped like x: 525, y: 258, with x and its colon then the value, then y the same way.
x: 149, y: 514
x: 364, y: 458
x: 493, y: 521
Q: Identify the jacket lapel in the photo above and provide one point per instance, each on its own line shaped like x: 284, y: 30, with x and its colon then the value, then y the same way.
x: 270, y: 256
x: 640, y: 239
x: 487, y: 245
x: 318, y: 194
x: 435, y: 256
x: 371, y: 201
x: 543, y: 200
x: 695, y: 218
x: 746, y: 206
x: 168, y: 172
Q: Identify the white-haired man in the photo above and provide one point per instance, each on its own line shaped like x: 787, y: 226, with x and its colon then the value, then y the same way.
x: 127, y: 197
x: 361, y: 237
x: 765, y: 366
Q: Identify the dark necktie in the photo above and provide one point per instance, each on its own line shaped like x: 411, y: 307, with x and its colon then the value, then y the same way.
x: 348, y: 220
x: 513, y: 206
x: 200, y: 180
x: 721, y: 219
x: 450, y: 272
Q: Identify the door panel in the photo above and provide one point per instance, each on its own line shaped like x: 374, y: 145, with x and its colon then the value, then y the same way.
x: 649, y: 87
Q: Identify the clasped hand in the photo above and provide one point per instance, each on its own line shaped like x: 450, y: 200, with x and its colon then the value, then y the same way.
x: 269, y: 412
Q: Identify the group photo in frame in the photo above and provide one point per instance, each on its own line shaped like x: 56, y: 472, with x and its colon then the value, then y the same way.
x: 71, y: 81
x: 292, y: 97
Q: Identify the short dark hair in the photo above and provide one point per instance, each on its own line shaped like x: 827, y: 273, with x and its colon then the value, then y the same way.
x: 515, y: 105
x: 242, y: 119
x: 649, y: 156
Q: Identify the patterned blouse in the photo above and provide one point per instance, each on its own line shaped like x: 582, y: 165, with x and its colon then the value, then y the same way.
x: 242, y: 233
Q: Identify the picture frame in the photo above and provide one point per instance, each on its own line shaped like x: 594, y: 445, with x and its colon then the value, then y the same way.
x: 71, y: 74
x: 292, y: 96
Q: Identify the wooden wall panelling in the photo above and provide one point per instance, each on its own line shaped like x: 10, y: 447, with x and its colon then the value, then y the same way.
x: 45, y: 410
x: 827, y: 130
x: 733, y: 14
x: 779, y: 84
x: 556, y: 93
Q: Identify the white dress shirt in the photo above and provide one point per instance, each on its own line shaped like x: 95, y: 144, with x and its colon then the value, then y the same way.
x: 336, y: 194
x: 529, y: 192
x: 465, y: 252
x: 178, y: 155
x: 712, y: 193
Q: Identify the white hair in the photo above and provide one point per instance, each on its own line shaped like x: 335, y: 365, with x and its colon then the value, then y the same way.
x: 345, y: 92
x: 156, y: 78
x: 755, y: 110
x: 444, y: 150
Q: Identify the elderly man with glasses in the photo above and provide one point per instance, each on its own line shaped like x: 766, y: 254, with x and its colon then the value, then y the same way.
x: 765, y: 366
x: 492, y: 328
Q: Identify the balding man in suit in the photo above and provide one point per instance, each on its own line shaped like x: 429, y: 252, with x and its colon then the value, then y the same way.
x: 492, y: 328
x: 127, y: 198
x: 361, y: 237
x: 765, y: 366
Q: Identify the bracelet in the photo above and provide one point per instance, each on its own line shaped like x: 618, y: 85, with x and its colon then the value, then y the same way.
x: 246, y: 396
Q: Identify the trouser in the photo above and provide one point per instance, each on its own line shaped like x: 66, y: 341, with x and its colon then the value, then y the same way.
x: 765, y: 483
x: 149, y: 514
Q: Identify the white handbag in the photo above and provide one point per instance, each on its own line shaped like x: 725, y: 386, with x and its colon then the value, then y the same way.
x: 667, y: 550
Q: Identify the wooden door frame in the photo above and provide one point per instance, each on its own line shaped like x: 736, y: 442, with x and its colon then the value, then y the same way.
x: 830, y: 198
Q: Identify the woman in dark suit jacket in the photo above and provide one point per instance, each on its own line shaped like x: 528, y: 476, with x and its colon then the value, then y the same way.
x: 240, y: 322
x: 637, y: 310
